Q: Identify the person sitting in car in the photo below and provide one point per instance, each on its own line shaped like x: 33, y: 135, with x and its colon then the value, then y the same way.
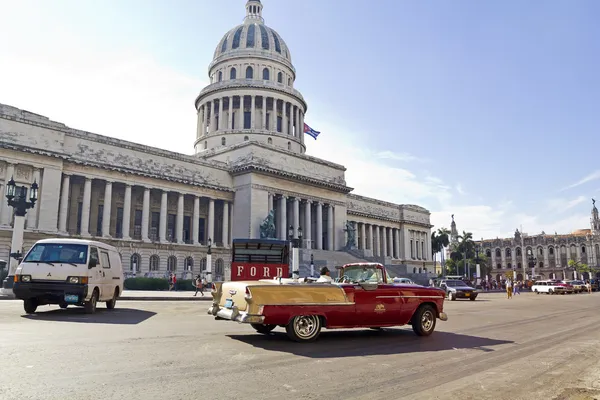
x: 325, y: 276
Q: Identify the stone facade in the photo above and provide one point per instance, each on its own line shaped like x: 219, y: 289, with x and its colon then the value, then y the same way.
x: 160, y: 208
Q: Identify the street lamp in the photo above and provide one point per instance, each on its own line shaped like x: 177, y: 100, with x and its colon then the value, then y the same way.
x: 312, y: 266
x: 17, y: 199
x: 209, y: 261
x: 295, y: 250
x: 531, y: 261
x: 477, y: 266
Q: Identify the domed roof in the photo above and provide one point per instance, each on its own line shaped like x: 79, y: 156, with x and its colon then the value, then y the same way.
x: 253, y: 36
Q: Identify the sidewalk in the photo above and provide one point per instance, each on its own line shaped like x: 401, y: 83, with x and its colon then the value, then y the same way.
x: 147, y: 295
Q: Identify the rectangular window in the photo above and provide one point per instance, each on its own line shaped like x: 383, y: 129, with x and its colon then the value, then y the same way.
x: 137, y: 225
x: 279, y: 124
x: 79, y: 210
x: 423, y: 250
x: 99, y: 220
x: 155, y: 225
x: 412, y: 249
x: 201, y: 230
x: 187, y: 229
x: 247, y: 119
x: 171, y: 227
x: 417, y: 248
x: 104, y: 259
x: 119, y: 227
x: 233, y: 115
x: 268, y: 121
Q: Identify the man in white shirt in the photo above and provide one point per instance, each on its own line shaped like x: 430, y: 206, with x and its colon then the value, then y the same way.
x: 325, y: 277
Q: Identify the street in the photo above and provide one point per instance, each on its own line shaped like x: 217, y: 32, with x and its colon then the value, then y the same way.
x: 530, y: 347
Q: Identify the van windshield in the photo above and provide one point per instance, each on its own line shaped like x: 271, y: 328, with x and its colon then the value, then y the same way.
x: 58, y: 253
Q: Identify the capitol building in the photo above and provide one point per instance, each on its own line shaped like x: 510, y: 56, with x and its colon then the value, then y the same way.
x: 160, y: 209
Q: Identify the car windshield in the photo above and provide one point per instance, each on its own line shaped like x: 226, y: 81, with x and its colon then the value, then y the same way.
x: 455, y: 283
x: 363, y: 273
x: 57, y: 253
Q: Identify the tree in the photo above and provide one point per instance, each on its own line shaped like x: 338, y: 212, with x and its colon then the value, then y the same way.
x: 579, y: 266
x: 439, y: 241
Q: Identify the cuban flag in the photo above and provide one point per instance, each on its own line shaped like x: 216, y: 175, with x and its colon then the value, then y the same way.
x: 311, y: 132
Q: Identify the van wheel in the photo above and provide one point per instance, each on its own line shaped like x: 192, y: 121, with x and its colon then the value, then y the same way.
x: 90, y: 306
x: 304, y: 328
x: 112, y: 302
x: 30, y: 305
x: 63, y: 305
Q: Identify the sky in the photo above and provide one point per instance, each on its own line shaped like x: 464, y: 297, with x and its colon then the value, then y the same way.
x: 484, y: 110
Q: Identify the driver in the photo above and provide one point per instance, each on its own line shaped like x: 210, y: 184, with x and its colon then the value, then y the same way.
x: 325, y: 276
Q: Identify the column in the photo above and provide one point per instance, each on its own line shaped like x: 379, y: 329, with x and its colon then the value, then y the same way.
x: 390, y: 233
x: 376, y: 242
x: 330, y: 233
x: 296, y: 213
x: 146, y: 215
x: 199, y: 124
x: 285, y: 119
x: 211, y: 220
x: 221, y: 119
x: 85, y: 208
x: 230, y: 116
x: 308, y: 224
x: 301, y: 127
x: 273, y: 124
x: 196, y: 220
x: 383, y: 241
x: 270, y: 204
x: 298, y: 129
x: 162, y: 227
x: 319, y: 233
x: 64, y: 204
x: 241, y: 116
x: 226, y: 223
x: 180, y: 206
x: 253, y: 112
x: 32, y: 215
x: 107, y: 209
x: 264, y: 112
x: 5, y: 210
x: 282, y: 218
x: 213, y: 117
x: 126, y: 212
x: 291, y: 120
x: 370, y: 241
x: 363, y: 238
x: 397, y: 243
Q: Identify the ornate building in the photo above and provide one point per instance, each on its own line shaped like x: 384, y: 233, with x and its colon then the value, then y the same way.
x: 160, y: 208
x: 551, y: 252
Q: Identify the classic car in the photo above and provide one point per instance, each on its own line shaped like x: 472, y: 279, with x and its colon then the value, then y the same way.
x: 548, y: 287
x: 362, y: 297
x: 457, y: 289
x: 578, y: 286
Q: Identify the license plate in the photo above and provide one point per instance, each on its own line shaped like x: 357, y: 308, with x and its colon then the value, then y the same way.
x: 467, y: 294
x: 71, y: 298
x: 229, y: 303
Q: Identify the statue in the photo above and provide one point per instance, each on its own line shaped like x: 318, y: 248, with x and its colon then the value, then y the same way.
x: 593, y: 202
x: 351, y: 231
x: 452, y: 217
x: 267, y: 227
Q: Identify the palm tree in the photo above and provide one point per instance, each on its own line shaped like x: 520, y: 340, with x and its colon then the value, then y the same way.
x: 443, y: 237
x: 466, y: 248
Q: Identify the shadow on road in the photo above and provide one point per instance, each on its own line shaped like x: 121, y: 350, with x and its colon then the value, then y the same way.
x: 118, y: 316
x: 368, y: 343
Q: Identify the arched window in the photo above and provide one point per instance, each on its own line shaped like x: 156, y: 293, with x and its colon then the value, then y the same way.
x: 232, y: 73
x: 507, y: 252
x: 249, y: 73
x: 203, y: 265
x: 498, y: 253
x: 541, y: 264
x: 219, y: 270
x: 189, y: 264
x: 488, y: 253
x: 280, y: 77
x: 519, y: 266
x: 509, y: 266
x: 172, y: 263
x: 223, y: 141
x: 540, y: 251
x: 154, y: 262
x: 270, y: 141
x: 498, y: 266
x: 266, y: 74
x: 551, y: 251
x: 246, y: 138
x: 135, y: 263
x: 518, y: 252
x: 414, y: 270
x: 220, y: 76
x: 289, y: 145
x: 583, y: 249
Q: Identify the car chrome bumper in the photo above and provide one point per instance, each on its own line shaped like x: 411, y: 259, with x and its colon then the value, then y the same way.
x: 443, y: 316
x: 233, y: 314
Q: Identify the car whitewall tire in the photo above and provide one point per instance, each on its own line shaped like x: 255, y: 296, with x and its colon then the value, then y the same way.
x: 304, y: 328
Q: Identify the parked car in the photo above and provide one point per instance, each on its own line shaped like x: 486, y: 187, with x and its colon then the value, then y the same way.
x: 548, y: 287
x: 404, y: 281
x: 569, y: 289
x: 364, y: 297
x: 457, y: 289
x: 578, y: 286
x: 69, y: 272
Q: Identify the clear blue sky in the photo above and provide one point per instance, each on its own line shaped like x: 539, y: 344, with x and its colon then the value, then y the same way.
x: 500, y: 98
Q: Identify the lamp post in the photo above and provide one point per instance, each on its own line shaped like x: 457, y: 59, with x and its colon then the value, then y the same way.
x: 531, y: 261
x: 209, y: 262
x: 295, y: 251
x: 17, y: 199
x: 312, y: 266
x: 477, y: 266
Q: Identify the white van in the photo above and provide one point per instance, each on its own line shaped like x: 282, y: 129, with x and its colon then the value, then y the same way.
x: 69, y: 272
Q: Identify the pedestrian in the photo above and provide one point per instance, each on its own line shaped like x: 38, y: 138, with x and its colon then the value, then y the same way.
x: 517, y: 288
x: 509, y: 289
x: 199, y: 286
x: 174, y: 281
x: 170, y: 282
x: 588, y: 286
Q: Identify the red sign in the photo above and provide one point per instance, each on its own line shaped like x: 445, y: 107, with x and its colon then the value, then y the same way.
x: 241, y: 271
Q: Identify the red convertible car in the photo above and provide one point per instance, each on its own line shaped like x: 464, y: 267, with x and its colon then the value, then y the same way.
x: 362, y: 297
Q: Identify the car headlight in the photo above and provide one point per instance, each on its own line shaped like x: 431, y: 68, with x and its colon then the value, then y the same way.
x: 77, y: 279
x: 25, y: 278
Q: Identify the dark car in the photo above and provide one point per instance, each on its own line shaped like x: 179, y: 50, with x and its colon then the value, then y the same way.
x: 457, y: 289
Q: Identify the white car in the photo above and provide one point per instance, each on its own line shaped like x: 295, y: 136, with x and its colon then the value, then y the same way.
x: 69, y: 272
x: 404, y: 281
x: 548, y: 287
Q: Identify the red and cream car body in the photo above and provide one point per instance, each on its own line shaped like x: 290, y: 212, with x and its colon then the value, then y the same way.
x: 363, y: 297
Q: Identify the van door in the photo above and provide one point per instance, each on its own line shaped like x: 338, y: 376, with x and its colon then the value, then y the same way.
x: 116, y: 270
x: 95, y: 274
x: 107, y: 281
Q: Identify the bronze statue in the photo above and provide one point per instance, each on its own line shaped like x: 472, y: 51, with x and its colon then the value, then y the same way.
x: 267, y: 227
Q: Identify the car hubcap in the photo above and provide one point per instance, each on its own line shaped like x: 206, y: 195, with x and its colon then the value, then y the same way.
x: 427, y: 320
x: 306, y: 326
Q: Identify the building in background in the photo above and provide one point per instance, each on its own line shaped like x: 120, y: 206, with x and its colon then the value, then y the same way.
x: 161, y: 208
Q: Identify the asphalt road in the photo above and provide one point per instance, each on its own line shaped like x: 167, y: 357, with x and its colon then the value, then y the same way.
x: 531, y: 347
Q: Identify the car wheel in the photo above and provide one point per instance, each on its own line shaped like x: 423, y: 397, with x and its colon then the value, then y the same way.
x: 473, y: 298
x: 264, y: 329
x: 112, y: 302
x: 90, y: 306
x: 536, y: 291
x: 30, y: 305
x: 550, y: 291
x: 63, y: 305
x: 423, y: 322
x: 304, y: 328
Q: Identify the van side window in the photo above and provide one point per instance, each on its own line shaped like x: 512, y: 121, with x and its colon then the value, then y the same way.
x: 94, y: 254
x: 105, y: 259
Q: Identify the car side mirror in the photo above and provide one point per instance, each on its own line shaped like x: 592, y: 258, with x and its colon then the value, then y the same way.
x: 93, y: 263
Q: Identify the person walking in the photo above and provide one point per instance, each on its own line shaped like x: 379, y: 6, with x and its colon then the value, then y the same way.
x: 517, y: 288
x: 199, y: 286
x: 509, y: 288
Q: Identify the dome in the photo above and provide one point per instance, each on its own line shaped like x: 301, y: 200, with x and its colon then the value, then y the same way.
x: 253, y: 37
